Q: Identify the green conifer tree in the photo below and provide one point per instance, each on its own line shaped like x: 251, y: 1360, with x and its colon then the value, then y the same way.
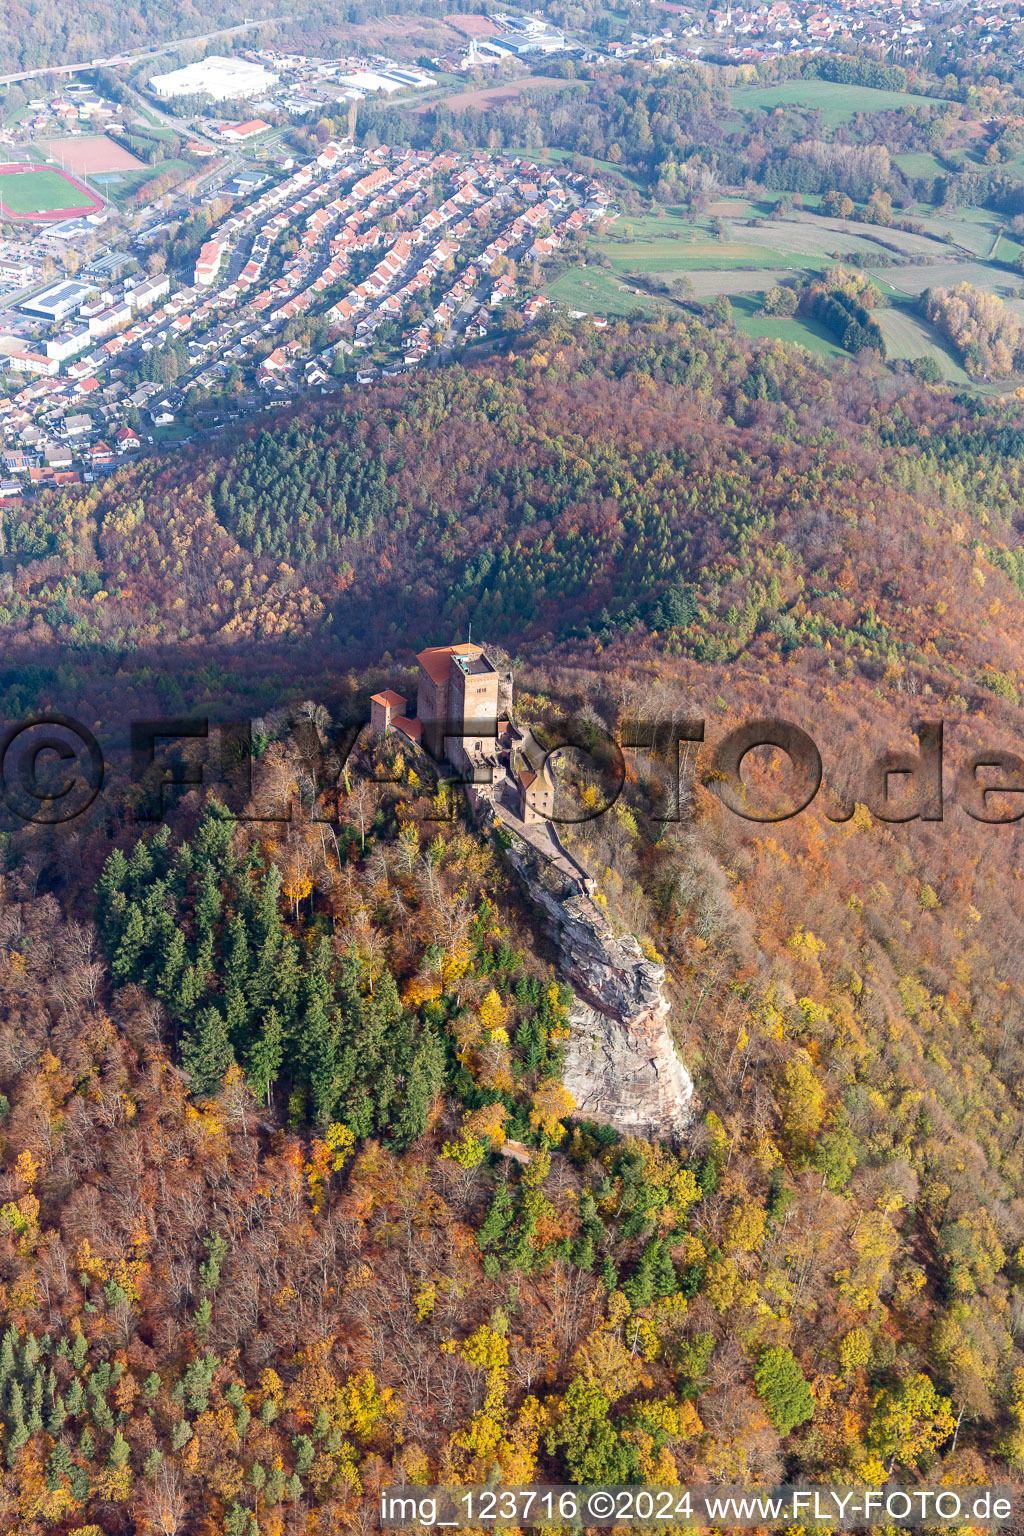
x: 207, y: 1052
x: 125, y: 965
x: 266, y: 1055
x: 172, y: 966
x: 110, y: 895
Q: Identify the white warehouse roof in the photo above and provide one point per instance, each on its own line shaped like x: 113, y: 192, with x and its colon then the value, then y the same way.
x: 223, y: 79
x: 384, y: 80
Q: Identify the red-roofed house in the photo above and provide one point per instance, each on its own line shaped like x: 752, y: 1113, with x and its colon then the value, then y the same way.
x: 210, y: 257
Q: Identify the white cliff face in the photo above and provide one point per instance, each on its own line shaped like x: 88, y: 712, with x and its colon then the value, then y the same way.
x: 621, y: 1063
x: 627, y: 1074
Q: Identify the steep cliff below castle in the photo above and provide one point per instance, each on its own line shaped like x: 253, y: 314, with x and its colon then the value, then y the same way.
x: 621, y: 1063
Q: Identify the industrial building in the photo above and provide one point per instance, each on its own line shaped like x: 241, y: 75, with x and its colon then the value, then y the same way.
x: 220, y: 78
x: 60, y: 301
x: 388, y: 80
x: 237, y: 132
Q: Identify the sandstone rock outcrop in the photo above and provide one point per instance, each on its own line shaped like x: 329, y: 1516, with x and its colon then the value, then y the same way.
x: 621, y: 1063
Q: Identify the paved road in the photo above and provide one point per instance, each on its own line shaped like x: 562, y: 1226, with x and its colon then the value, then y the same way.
x: 140, y: 53
x: 21, y: 295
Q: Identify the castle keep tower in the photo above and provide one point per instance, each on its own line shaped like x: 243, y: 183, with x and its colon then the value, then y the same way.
x: 459, y: 697
x: 464, y: 717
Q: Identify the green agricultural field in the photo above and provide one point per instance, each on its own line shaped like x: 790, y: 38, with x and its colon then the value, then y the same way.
x: 41, y: 192
x: 918, y: 162
x: 1013, y: 167
x: 912, y: 280
x: 837, y: 103
x: 886, y: 286
x: 910, y: 335
x: 972, y: 228
x: 742, y: 207
x: 803, y: 235
x: 665, y: 224
x: 709, y: 283
x: 1008, y: 249
x: 798, y: 330
x: 667, y: 242
x: 154, y: 128
x: 600, y: 293
x: 667, y: 256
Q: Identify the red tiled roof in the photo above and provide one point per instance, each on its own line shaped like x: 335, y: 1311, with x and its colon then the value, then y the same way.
x: 411, y: 728
x: 389, y: 698
x: 436, y: 662
x: 244, y: 130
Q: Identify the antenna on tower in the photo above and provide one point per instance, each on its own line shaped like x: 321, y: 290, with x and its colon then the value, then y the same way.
x: 471, y: 632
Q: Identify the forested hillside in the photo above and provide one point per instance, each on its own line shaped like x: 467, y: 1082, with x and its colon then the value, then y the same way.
x: 260, y: 1251
x: 37, y: 32
x: 677, y: 480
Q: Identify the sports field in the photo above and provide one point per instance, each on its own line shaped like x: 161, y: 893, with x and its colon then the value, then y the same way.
x: 91, y: 153
x: 32, y: 192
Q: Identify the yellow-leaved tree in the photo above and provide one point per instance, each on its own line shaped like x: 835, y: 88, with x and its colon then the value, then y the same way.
x: 548, y: 1107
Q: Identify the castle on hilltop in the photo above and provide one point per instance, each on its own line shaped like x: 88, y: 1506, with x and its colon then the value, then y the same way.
x: 464, y: 717
x: 621, y: 1065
